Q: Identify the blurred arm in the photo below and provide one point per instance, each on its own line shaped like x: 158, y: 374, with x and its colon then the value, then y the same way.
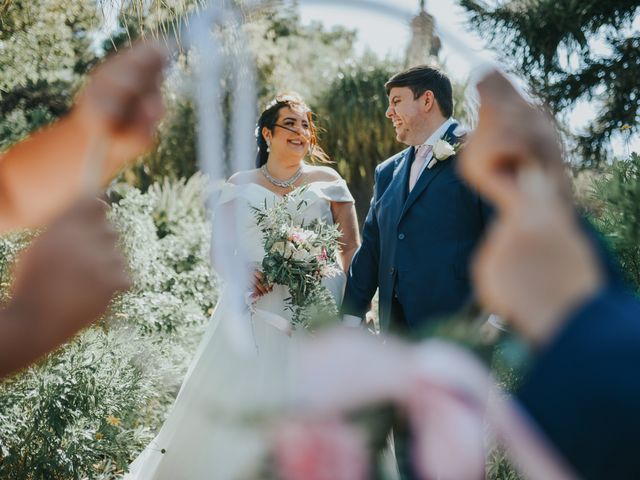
x: 63, y: 282
x: 120, y: 107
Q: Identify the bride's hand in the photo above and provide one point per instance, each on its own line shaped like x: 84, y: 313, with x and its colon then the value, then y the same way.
x: 260, y: 287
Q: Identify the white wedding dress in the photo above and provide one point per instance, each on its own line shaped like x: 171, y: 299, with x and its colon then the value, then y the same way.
x: 211, y: 431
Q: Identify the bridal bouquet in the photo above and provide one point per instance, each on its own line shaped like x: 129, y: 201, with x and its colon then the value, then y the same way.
x: 299, y: 256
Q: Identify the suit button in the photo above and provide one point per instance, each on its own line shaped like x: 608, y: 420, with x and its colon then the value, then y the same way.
x: 401, y: 236
x: 392, y: 270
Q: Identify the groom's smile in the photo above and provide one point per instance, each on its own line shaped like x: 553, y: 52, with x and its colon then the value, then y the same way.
x: 407, y: 114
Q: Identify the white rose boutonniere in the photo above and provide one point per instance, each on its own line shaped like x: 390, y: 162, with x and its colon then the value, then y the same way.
x: 441, y: 151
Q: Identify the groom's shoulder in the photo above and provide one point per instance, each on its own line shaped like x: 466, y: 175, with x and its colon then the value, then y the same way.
x: 390, y: 163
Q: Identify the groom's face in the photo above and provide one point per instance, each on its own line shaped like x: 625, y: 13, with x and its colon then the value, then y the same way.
x: 407, y: 114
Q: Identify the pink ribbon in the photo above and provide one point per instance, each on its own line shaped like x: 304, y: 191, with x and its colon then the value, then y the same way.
x: 449, y: 396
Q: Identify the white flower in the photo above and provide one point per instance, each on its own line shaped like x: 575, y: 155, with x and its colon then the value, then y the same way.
x: 278, y: 247
x: 443, y: 150
x: 289, y: 249
x: 300, y: 235
x: 301, y: 255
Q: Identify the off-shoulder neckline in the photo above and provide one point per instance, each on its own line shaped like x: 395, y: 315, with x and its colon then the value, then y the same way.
x: 338, y: 180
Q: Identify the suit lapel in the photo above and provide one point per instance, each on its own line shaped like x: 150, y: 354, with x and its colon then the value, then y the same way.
x: 429, y: 174
x: 395, y: 195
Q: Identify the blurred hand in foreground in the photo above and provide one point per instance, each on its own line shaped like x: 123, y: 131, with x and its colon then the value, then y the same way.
x: 63, y: 282
x: 535, y: 265
x: 123, y: 100
x: 112, y: 122
x: 511, y: 136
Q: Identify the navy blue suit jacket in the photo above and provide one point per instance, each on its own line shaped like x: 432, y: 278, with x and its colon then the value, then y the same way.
x: 584, y: 388
x: 416, y: 245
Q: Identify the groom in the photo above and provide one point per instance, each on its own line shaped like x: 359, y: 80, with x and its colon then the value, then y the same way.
x: 424, y: 221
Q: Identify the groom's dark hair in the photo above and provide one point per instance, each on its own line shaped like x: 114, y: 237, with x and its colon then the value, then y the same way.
x: 422, y: 78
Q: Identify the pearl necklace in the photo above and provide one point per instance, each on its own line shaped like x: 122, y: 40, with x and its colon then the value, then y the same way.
x: 281, y: 183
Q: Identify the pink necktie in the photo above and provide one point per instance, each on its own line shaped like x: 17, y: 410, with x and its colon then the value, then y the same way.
x: 416, y: 167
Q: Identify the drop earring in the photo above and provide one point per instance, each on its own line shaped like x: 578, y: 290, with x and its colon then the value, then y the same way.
x: 268, y: 146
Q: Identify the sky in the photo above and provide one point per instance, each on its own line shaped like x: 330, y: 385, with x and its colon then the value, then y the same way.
x: 380, y: 31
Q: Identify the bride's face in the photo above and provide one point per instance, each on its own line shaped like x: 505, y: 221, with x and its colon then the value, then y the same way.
x: 291, y: 135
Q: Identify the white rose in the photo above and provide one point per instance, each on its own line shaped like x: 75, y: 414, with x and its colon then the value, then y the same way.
x: 443, y: 150
x: 278, y: 247
x: 289, y: 249
x: 301, y: 255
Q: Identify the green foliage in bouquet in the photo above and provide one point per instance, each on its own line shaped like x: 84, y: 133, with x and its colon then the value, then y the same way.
x: 86, y: 410
x: 299, y: 257
x: 618, y: 193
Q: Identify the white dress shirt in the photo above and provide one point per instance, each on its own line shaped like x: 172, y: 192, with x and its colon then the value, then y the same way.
x: 435, y: 136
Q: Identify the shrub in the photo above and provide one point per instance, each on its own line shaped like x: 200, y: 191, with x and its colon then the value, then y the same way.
x: 618, y: 193
x: 86, y: 410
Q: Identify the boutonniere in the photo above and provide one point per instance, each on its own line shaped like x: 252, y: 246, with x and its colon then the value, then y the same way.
x: 443, y: 150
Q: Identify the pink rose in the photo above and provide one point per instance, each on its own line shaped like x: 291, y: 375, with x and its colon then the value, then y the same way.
x: 317, y: 450
x: 323, y: 257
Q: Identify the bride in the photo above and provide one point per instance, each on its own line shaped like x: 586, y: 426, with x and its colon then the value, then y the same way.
x: 207, y: 434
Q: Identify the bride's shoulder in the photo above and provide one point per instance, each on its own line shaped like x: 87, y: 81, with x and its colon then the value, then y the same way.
x: 243, y: 177
x: 237, y: 186
x: 329, y: 184
x: 320, y: 173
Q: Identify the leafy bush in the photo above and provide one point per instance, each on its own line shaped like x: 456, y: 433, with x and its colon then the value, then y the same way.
x: 62, y: 418
x: 618, y: 193
x: 87, y: 409
x: 46, y: 50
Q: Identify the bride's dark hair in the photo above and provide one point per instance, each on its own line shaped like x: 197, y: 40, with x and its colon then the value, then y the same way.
x: 269, y: 117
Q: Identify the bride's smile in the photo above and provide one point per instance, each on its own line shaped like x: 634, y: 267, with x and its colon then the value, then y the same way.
x: 291, y: 136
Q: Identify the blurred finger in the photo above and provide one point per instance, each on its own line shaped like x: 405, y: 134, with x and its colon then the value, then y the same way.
x: 511, y: 136
x: 492, y: 170
x: 151, y: 56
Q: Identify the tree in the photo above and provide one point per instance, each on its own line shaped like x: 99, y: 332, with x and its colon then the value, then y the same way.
x: 357, y: 136
x: 291, y: 56
x: 46, y: 50
x: 618, y: 193
x: 569, y: 51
